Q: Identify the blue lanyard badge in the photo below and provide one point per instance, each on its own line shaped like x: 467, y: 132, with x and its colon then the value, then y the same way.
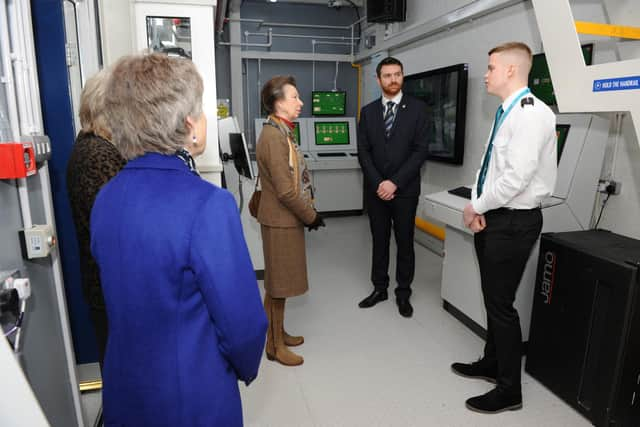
x: 524, y: 92
x: 496, y: 125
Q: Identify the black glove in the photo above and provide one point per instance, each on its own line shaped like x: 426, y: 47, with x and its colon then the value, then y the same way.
x: 317, y: 223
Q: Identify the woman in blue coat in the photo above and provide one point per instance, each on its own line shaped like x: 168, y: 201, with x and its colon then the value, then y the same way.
x: 185, y: 316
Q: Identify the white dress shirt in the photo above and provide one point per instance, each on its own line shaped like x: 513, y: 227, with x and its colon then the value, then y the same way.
x: 396, y: 99
x: 523, y: 165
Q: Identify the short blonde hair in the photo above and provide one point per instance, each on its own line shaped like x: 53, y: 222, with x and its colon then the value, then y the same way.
x: 148, y: 100
x: 517, y: 47
x: 92, y: 113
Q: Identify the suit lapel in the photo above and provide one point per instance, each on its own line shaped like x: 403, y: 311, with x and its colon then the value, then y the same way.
x: 379, y: 116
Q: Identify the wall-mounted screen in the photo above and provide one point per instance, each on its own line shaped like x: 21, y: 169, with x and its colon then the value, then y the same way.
x: 540, y: 77
x: 296, y: 132
x: 328, y: 103
x: 331, y: 133
x: 562, y: 131
x: 445, y: 92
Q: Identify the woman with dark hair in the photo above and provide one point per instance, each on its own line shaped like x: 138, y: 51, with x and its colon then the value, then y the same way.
x: 93, y: 162
x: 286, y: 206
x: 185, y: 317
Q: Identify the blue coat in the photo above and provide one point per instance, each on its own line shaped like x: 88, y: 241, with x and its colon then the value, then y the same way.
x: 185, y: 317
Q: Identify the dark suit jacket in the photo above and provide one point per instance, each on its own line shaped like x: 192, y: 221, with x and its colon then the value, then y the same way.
x: 399, y: 157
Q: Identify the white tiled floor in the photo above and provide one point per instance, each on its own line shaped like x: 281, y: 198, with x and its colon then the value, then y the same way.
x: 374, y: 368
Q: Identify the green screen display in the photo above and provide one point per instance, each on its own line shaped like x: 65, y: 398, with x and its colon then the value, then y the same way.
x: 296, y: 132
x: 331, y: 133
x: 540, y: 78
x: 328, y: 103
x: 561, y: 131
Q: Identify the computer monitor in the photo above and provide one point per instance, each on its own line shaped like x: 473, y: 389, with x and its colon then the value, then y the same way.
x: 331, y: 133
x: 240, y: 155
x: 328, y: 103
x: 562, y: 131
x: 540, y: 77
x: 444, y: 90
x: 296, y: 132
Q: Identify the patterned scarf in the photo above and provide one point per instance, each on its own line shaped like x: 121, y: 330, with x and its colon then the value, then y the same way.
x: 186, y: 157
x: 297, y: 165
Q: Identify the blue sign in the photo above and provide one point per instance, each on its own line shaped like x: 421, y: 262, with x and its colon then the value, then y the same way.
x: 620, y: 83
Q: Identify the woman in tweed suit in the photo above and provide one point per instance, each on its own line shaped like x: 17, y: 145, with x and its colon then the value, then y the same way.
x: 286, y: 206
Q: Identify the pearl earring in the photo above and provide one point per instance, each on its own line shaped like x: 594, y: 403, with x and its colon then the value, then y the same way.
x: 195, y: 141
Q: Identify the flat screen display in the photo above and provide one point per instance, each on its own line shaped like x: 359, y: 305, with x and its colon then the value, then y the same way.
x: 296, y: 132
x: 328, y: 103
x: 445, y: 92
x: 562, y: 131
x: 331, y: 133
x: 540, y: 77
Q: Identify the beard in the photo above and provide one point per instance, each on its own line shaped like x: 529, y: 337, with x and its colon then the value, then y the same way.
x: 391, y: 90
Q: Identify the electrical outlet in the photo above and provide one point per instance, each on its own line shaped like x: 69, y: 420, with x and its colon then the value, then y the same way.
x: 37, y: 241
x: 607, y: 186
x: 614, y: 187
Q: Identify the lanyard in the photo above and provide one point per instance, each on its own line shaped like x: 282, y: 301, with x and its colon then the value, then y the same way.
x: 508, y: 110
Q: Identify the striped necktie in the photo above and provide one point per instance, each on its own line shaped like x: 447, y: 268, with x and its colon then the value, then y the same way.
x: 388, y: 118
x: 487, y: 156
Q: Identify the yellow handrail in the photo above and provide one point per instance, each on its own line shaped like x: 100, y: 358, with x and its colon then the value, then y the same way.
x: 429, y: 228
x: 90, y: 385
x: 359, y: 68
x: 596, y: 29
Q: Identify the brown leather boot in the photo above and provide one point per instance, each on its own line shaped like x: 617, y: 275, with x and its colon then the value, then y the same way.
x: 292, y: 340
x: 269, y: 348
x: 282, y: 354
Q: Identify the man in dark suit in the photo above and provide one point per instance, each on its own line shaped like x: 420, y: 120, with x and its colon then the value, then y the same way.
x: 392, y: 146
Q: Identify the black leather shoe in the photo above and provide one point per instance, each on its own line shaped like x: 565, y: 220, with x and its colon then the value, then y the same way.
x: 404, y: 307
x: 475, y: 370
x: 494, y: 402
x: 375, y: 297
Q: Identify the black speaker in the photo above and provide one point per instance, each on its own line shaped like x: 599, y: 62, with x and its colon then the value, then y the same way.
x: 384, y: 11
x: 584, y: 341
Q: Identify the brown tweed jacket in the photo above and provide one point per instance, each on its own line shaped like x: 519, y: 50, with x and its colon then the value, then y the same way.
x: 281, y: 204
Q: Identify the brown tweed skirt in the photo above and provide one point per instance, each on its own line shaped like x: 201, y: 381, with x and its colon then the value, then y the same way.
x: 285, y: 261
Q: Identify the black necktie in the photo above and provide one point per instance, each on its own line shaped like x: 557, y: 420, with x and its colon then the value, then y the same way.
x: 388, y: 118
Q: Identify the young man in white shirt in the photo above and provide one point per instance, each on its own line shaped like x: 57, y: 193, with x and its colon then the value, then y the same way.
x: 517, y: 172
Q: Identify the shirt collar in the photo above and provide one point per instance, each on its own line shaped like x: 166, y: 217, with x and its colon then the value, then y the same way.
x: 510, y: 98
x: 396, y: 99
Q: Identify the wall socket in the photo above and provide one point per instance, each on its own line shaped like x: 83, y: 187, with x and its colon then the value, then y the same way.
x: 608, y: 186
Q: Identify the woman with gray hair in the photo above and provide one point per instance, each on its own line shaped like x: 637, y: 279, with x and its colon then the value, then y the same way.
x: 93, y: 162
x: 185, y: 317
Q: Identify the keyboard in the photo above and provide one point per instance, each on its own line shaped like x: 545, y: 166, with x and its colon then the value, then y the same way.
x: 464, y: 192
x: 331, y: 154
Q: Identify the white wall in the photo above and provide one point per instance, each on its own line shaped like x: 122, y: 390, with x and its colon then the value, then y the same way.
x: 470, y: 43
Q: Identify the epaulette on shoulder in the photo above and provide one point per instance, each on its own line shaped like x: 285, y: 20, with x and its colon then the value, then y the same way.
x: 526, y: 101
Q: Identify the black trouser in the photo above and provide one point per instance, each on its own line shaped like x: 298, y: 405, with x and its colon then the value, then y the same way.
x: 399, y: 213
x: 503, y: 249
